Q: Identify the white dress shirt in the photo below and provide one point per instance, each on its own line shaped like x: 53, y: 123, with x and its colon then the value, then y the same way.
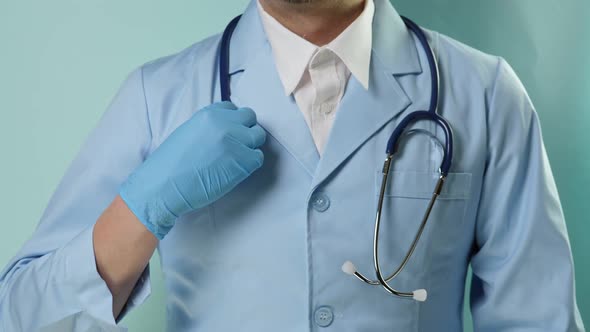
x: 317, y: 76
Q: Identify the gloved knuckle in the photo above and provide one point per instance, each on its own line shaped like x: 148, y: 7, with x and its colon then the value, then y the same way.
x: 258, y: 134
x: 228, y: 141
x: 262, y: 136
x: 250, y: 114
x: 207, y: 114
x: 259, y: 158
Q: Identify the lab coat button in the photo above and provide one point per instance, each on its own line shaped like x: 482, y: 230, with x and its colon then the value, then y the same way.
x: 323, y: 316
x: 320, y: 202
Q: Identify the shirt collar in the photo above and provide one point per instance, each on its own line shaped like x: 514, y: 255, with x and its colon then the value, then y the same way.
x: 292, y: 53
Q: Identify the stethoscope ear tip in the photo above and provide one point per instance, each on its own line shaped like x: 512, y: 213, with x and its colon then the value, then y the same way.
x: 420, y: 295
x: 348, y: 268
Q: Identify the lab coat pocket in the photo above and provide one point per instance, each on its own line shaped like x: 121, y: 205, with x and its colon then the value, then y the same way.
x: 406, y: 199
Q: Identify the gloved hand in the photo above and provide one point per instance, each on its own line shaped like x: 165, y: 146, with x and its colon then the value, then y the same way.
x: 202, y: 160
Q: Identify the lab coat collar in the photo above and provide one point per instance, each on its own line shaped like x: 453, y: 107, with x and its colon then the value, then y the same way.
x: 248, y: 40
x: 362, y: 112
x: 392, y: 43
x: 257, y: 85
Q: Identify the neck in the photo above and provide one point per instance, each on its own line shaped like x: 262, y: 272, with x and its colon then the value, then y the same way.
x: 317, y: 21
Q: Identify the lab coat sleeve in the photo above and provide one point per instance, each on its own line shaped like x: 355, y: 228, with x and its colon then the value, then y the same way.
x: 523, y: 274
x: 54, y: 277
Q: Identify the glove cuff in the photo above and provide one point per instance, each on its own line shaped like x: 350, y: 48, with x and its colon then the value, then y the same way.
x: 155, y: 216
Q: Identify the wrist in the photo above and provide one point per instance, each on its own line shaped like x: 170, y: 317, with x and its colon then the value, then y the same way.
x: 154, y: 215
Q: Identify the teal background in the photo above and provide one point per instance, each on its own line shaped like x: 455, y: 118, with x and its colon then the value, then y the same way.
x: 62, y: 61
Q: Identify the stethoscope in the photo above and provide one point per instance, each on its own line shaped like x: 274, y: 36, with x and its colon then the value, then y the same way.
x: 392, y: 148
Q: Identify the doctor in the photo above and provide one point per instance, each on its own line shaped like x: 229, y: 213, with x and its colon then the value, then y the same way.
x: 254, y: 205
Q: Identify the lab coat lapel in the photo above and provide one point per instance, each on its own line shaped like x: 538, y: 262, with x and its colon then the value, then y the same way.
x: 363, y: 112
x: 259, y: 87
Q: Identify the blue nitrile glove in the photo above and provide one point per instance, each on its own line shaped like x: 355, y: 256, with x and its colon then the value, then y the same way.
x: 202, y: 160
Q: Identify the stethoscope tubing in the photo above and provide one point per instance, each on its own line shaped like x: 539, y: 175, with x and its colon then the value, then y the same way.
x: 392, y: 147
